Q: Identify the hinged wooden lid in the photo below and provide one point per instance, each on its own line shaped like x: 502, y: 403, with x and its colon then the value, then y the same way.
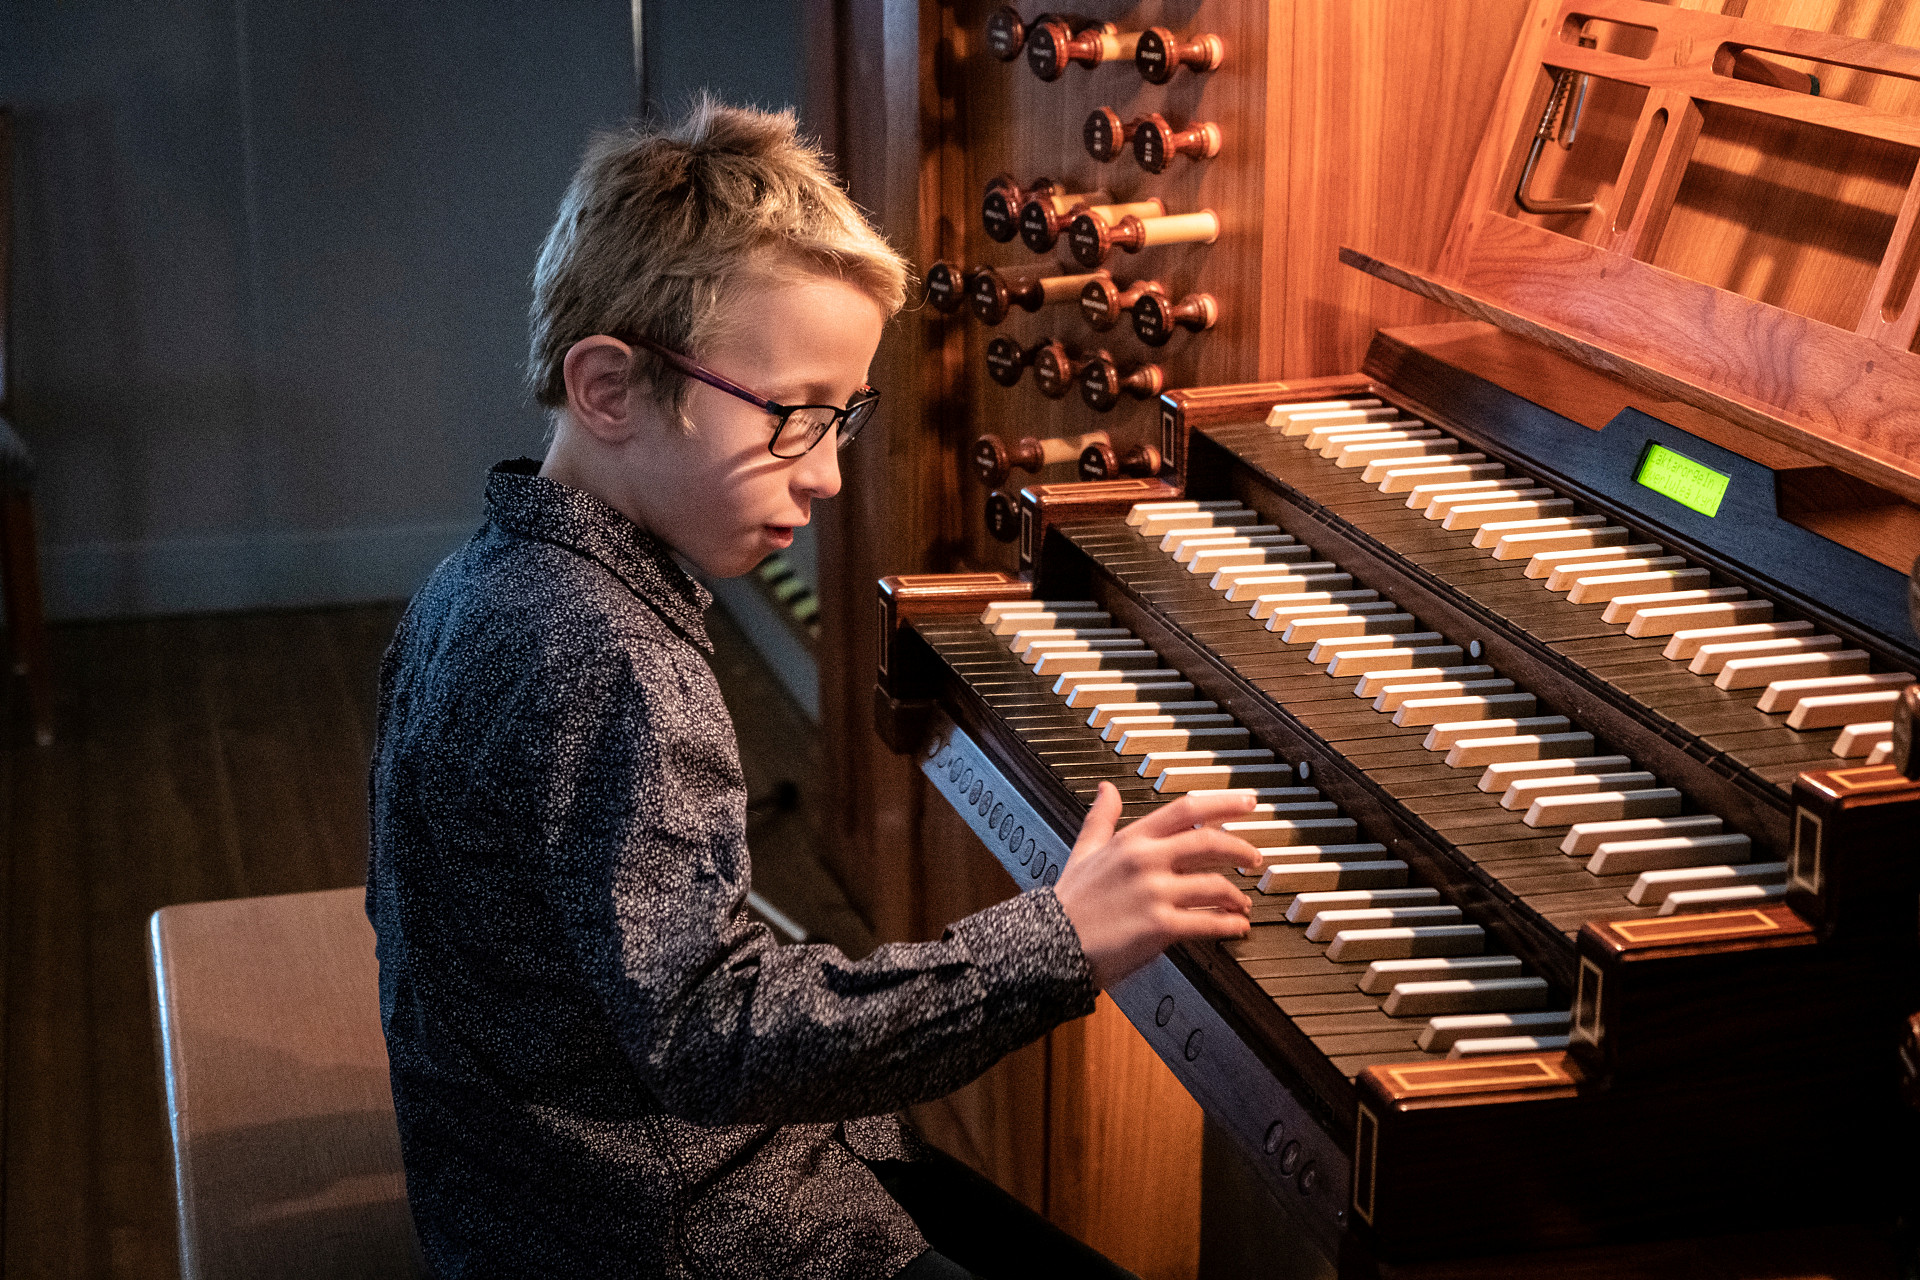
x: 1733, y: 225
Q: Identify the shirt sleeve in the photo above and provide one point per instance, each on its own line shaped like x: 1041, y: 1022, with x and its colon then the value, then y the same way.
x: 630, y: 780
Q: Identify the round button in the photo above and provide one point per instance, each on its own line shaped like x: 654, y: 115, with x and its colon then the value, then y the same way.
x: 1045, y: 56
x: 1036, y: 226
x: 1150, y: 323
x: 1150, y: 57
x: 1100, y: 384
x: 1305, y: 770
x: 973, y: 796
x: 1019, y: 834
x: 953, y: 770
x: 966, y: 780
x: 986, y: 801
x: 1053, y: 873
x: 1192, y: 1048
x: 1150, y: 146
x: 1005, y: 33
x: 1164, y: 1013
x: 1309, y: 1178
x: 1097, y: 462
x: 1102, y: 134
x: 999, y: 812
x: 1473, y: 648
x: 1005, y: 361
x: 1275, y: 1132
x: 1003, y: 518
x: 1083, y: 241
x: 999, y: 217
x: 1290, y: 1158
x: 1026, y: 854
x: 945, y: 289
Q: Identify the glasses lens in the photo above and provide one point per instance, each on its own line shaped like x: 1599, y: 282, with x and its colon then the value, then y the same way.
x: 859, y: 414
x: 802, y: 430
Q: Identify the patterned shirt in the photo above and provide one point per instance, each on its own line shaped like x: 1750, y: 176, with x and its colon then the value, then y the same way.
x: 601, y: 1066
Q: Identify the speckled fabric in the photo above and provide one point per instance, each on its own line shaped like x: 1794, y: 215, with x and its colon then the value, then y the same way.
x: 601, y: 1066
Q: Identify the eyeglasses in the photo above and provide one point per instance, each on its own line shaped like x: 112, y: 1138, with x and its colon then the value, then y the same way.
x: 797, y: 427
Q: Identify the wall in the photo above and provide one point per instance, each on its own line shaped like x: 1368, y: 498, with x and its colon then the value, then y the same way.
x: 272, y: 278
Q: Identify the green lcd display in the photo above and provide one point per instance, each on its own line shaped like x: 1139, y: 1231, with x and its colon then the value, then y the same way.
x: 1681, y: 478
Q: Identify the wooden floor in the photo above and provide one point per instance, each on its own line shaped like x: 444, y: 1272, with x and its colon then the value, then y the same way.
x: 207, y: 758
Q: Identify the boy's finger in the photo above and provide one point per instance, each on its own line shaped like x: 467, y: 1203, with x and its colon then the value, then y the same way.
x: 1190, y: 811
x: 1098, y: 828
x: 1209, y: 849
x: 1194, y: 892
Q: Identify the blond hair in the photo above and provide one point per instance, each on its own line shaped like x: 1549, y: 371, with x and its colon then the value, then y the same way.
x: 662, y: 229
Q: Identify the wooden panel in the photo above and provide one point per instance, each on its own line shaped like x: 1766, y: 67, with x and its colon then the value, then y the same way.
x: 1390, y: 102
x: 1141, y: 1205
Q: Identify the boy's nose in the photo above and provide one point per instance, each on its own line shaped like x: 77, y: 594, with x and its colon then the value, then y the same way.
x: 819, y: 471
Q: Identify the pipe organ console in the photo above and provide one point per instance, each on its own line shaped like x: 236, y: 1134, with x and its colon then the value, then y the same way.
x: 1566, y: 646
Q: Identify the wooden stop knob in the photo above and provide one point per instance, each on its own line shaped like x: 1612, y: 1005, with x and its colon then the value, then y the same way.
x: 1159, y: 53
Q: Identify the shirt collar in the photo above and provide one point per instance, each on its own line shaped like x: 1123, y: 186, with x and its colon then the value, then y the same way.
x: 522, y: 500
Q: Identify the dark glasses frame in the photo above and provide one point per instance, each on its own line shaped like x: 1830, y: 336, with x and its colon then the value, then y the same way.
x: 847, y: 419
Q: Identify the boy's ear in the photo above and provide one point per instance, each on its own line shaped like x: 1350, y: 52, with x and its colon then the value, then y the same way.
x: 599, y: 378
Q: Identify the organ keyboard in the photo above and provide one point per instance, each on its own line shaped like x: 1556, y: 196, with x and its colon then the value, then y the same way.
x: 1542, y: 872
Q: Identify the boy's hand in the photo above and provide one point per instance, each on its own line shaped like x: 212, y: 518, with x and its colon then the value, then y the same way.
x: 1133, y: 894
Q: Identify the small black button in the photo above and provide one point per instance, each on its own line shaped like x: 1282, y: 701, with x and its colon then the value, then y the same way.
x: 1192, y: 1049
x: 1275, y: 1132
x: 1309, y: 1178
x: 1290, y: 1158
x: 1163, y: 1014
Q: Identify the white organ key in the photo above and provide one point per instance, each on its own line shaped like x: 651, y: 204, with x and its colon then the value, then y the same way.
x: 1522, y: 792
x: 1367, y: 454
x: 1041, y: 648
x: 1599, y: 587
x: 1291, y: 811
x: 1407, y: 942
x: 1419, y: 711
x: 1498, y: 532
x: 1103, y: 713
x: 1307, y: 907
x: 1466, y: 995
x: 1881, y: 753
x: 1445, y: 733
x: 1420, y: 497
x: 1786, y: 695
x: 1057, y: 619
x: 1444, y: 1032
x: 998, y: 609
x: 1384, y: 975
x: 1587, y: 837
x: 1138, y: 742
x: 1753, y: 673
x: 1140, y: 512
x: 1397, y: 475
x: 1478, y: 515
x: 1021, y: 641
x: 1263, y: 797
x: 1394, y: 696
x: 1280, y: 584
x: 1324, y: 651
x: 1208, y: 777
x: 1615, y: 857
x: 1287, y: 415
x: 1301, y: 877
x: 1545, y: 564
x: 1682, y: 901
x: 1359, y: 662
x: 1280, y: 610
x: 1157, y: 762
x: 1623, y: 607
x: 1491, y: 1046
x: 1289, y: 855
x: 1709, y: 659
x: 1053, y: 664
x: 1156, y: 526
x: 1652, y: 888
x: 1262, y: 552
x: 1326, y: 923
x: 1071, y: 680
x: 1664, y: 621
x: 1603, y: 806
x: 1440, y: 505
x: 1333, y: 441
x: 1567, y: 576
x: 1469, y: 752
x: 1356, y: 623
x: 1686, y: 643
x: 1157, y: 692
x: 1830, y: 711
x: 1372, y: 686
x: 1180, y: 541
x: 1281, y: 833
x: 1858, y: 739
x: 1117, y: 726
x: 1526, y: 545
x: 1283, y: 562
x: 1499, y: 777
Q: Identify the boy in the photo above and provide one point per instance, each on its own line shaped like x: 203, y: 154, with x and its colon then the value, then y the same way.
x: 600, y: 1065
